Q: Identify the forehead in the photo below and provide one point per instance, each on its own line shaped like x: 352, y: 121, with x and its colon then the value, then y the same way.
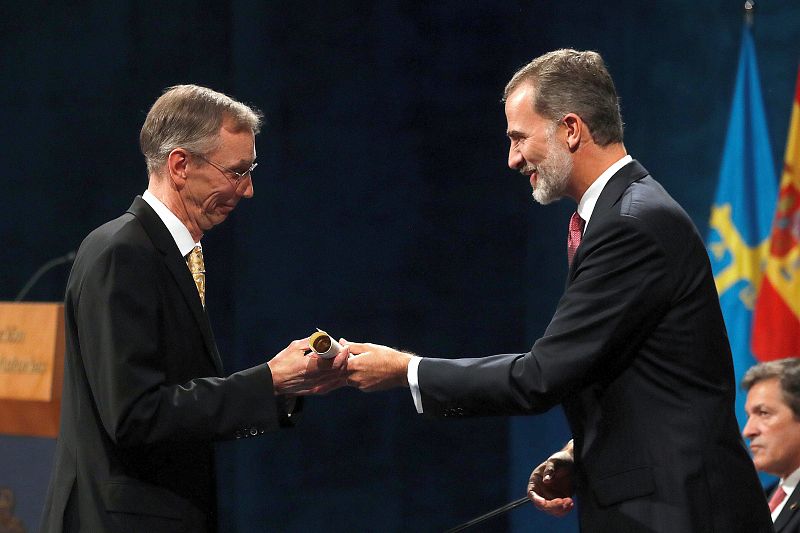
x: 236, y: 143
x: 765, y: 392
x: 520, y: 114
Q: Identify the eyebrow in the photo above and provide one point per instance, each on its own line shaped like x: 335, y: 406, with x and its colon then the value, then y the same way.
x: 511, y: 134
x: 244, y: 163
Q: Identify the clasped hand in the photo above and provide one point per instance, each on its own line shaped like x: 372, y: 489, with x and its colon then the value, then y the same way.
x: 374, y: 367
x: 297, y: 372
x: 551, y: 484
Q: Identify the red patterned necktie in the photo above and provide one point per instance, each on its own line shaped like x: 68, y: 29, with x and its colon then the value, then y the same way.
x: 576, y: 224
x: 777, y: 498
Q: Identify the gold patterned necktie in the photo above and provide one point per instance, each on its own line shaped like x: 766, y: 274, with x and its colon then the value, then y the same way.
x: 198, y: 270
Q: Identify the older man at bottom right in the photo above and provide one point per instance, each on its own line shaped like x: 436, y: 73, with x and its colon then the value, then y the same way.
x: 773, y: 429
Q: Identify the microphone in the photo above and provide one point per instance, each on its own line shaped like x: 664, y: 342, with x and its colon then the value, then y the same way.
x: 69, y: 257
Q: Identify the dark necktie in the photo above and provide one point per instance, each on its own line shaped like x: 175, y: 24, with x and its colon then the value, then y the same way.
x: 777, y: 498
x: 576, y: 224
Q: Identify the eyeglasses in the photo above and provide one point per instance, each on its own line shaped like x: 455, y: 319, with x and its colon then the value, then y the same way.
x: 238, y: 180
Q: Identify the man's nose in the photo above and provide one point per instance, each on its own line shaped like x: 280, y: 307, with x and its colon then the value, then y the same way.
x: 248, y: 190
x: 514, y: 158
x: 749, y: 430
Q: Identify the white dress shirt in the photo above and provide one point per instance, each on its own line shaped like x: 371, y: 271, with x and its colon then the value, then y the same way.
x: 180, y: 233
x: 585, y: 208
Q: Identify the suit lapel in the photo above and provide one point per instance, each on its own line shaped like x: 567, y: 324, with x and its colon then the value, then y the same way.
x: 609, y: 196
x: 789, y: 510
x: 164, y: 243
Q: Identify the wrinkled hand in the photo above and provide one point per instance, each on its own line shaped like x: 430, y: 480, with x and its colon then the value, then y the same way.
x: 376, y: 367
x: 551, y: 484
x: 294, y: 372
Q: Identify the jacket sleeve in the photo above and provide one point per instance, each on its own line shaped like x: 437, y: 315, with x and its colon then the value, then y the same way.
x: 619, y: 291
x: 121, y: 335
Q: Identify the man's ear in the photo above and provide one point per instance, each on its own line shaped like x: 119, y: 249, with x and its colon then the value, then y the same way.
x: 177, y: 163
x: 576, y: 128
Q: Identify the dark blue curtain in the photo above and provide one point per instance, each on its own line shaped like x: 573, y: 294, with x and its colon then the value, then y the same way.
x: 383, y: 211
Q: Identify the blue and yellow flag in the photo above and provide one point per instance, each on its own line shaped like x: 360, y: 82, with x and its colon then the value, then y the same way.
x: 741, y: 217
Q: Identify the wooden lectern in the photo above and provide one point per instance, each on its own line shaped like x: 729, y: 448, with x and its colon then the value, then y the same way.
x: 31, y: 368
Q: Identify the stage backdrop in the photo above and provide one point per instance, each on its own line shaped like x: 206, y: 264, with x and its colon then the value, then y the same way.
x: 383, y: 208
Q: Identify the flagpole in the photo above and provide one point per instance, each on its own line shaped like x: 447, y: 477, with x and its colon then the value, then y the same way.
x: 743, y: 208
x: 749, y: 9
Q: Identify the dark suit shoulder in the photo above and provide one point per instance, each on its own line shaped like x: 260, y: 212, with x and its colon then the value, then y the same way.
x: 646, y: 199
x: 125, y: 230
x: 124, y: 235
x: 660, y: 216
x: 121, y: 243
x: 644, y: 222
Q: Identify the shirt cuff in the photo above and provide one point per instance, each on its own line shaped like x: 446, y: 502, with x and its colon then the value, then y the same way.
x: 413, y: 381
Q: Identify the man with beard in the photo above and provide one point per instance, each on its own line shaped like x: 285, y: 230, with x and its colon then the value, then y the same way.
x: 636, y: 352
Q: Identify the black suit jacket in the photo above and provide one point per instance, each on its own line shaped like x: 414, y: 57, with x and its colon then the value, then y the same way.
x: 638, y: 354
x: 143, y: 399
x: 788, y: 520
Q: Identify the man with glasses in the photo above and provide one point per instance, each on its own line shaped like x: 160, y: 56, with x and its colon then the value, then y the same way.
x: 144, y: 393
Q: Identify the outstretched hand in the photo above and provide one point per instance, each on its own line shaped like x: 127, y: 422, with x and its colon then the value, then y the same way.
x: 376, y: 367
x: 295, y: 372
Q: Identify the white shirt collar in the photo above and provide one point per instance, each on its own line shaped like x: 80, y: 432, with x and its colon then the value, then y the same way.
x: 790, y: 482
x: 180, y: 233
x: 589, y: 198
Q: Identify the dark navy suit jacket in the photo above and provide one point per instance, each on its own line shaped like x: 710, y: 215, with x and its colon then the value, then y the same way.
x: 788, y: 520
x: 637, y: 353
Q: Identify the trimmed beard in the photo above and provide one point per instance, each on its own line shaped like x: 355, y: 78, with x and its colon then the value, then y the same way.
x: 553, y: 172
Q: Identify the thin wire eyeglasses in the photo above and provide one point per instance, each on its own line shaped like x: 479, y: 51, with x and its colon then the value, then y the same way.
x: 240, y: 176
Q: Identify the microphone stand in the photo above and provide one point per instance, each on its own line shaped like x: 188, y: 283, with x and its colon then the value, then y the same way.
x: 67, y: 258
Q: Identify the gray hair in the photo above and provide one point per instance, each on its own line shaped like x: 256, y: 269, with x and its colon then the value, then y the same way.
x: 787, y: 371
x: 570, y: 81
x: 190, y: 117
